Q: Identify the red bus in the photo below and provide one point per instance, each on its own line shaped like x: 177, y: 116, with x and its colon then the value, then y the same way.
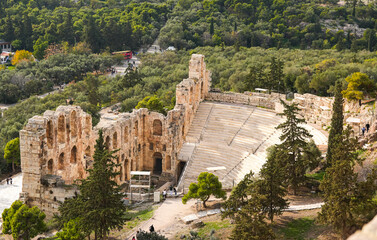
x: 127, y: 54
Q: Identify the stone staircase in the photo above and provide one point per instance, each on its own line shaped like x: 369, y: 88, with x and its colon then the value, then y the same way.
x: 232, y: 136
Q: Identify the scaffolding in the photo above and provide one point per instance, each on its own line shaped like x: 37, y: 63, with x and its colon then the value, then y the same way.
x: 140, y: 180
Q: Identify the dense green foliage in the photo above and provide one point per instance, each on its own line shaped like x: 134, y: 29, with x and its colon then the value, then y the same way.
x: 98, y: 208
x: 295, y: 155
x: 70, y: 231
x: 113, y: 24
x: 349, y: 203
x: 31, y: 78
x: 245, y: 207
x: 208, y: 184
x: 307, y: 24
x: 143, y: 235
x: 23, y: 222
x: 271, y: 184
x: 12, y: 152
x: 336, y: 122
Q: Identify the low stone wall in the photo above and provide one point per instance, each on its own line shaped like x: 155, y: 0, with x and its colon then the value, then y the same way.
x: 247, y: 98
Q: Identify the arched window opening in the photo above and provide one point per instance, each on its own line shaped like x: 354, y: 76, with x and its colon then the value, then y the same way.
x: 157, y: 127
x: 74, y: 155
x: 190, y: 95
x: 61, y: 161
x: 73, y: 124
x: 50, y: 165
x: 136, y: 129
x: 49, y: 134
x: 202, y: 90
x: 88, y: 124
x: 107, y: 142
x: 125, y: 170
x: 115, y: 140
x: 61, y: 129
x: 126, y: 134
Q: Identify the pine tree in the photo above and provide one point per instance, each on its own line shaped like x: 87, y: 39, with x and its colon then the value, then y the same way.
x: 347, y: 201
x: 98, y: 206
x: 212, y: 27
x: 245, y: 207
x: 9, y: 30
x: 271, y: 185
x: 336, y: 121
x: 91, y: 34
x: 293, y: 146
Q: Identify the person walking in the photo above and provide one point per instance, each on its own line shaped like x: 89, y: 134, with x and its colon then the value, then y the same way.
x: 7, y: 181
x: 164, y: 194
x: 175, y: 191
x: 11, y: 181
x: 367, y: 126
x: 363, y: 131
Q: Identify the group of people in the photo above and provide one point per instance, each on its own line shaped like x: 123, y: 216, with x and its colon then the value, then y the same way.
x: 9, y: 181
x: 164, y: 193
x: 366, y: 128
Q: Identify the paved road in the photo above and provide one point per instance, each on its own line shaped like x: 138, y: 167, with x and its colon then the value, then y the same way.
x: 10, y: 193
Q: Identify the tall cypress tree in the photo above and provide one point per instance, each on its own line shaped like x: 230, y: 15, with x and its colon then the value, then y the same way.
x: 348, y: 202
x: 336, y: 121
x: 294, y: 145
x: 98, y: 206
x: 271, y: 185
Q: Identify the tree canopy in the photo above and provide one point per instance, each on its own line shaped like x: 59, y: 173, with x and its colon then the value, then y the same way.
x: 359, y: 86
x: 208, y: 184
x: 23, y: 222
x: 99, y: 207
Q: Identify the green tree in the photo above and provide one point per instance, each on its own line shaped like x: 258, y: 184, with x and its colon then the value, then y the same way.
x: 245, y: 207
x: 271, y: 185
x: 91, y: 34
x: 347, y: 201
x: 336, y: 122
x: 293, y: 146
x: 275, y: 77
x: 359, y: 86
x: 71, y: 231
x: 12, y: 152
x: 23, y: 222
x: 98, y: 207
x: 40, y: 47
x: 153, y: 103
x: 208, y: 184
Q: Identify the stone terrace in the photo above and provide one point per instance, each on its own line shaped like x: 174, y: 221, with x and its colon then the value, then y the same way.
x: 233, y: 136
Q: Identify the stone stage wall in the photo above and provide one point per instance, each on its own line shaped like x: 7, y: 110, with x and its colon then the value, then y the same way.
x: 57, y: 148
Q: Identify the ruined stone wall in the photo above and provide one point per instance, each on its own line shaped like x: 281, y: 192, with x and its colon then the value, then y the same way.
x: 316, y: 110
x: 57, y: 148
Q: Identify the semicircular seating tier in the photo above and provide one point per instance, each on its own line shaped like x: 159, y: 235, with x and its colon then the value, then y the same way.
x: 233, y: 139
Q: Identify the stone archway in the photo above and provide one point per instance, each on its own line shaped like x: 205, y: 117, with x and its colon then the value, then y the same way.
x: 50, y: 166
x: 61, y: 129
x: 157, y: 163
x: 73, y: 155
x: 61, y: 161
x: 157, y: 127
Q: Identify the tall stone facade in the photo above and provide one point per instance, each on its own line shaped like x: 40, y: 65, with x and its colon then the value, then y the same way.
x: 57, y: 148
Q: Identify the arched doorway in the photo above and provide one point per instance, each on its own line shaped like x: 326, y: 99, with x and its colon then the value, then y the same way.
x: 157, y: 163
